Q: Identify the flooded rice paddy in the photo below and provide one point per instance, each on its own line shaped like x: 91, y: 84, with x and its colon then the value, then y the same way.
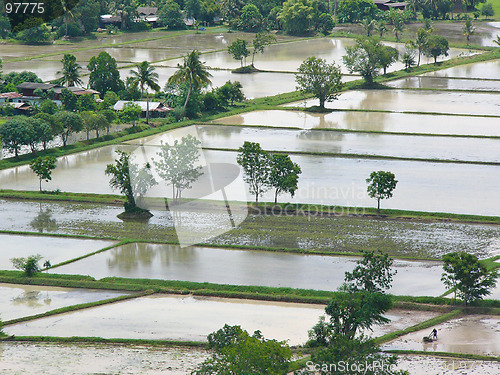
x: 247, y: 267
x: 18, y: 301
x: 397, y: 100
x: 369, y: 122
x: 423, y: 186
x: 335, y: 233
x: 472, y: 334
x: 318, y: 141
x: 483, y: 70
x: 179, y: 318
x: 193, y: 318
x: 441, y: 83
x: 54, y: 249
x: 19, y: 358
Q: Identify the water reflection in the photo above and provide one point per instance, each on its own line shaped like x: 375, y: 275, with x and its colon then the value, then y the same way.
x: 32, y: 299
x: 44, y: 221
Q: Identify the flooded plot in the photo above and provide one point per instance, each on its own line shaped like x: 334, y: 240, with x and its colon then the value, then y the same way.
x: 165, y: 317
x: 397, y: 100
x: 341, y: 234
x: 485, y: 70
x: 317, y: 141
x: 247, y: 267
x: 424, y: 365
x: 436, y: 187
x: 369, y: 121
x: 193, y: 318
x: 289, y: 56
x: 474, y: 334
x: 18, y: 358
x: 441, y: 83
x: 55, y: 249
x: 18, y: 301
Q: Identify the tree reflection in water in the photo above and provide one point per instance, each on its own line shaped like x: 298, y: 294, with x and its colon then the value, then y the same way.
x: 44, y: 221
x: 32, y: 299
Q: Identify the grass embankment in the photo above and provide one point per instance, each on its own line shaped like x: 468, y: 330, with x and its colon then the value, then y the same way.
x: 476, y: 357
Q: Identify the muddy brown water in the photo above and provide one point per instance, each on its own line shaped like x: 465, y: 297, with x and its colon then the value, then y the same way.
x: 482, y: 70
x: 473, y: 334
x: 442, y: 83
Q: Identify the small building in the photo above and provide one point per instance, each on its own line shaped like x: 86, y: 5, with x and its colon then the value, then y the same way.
x: 108, y: 19
x: 148, y: 14
x: 27, y: 90
x: 156, y: 109
x: 388, y: 4
x: 8, y: 97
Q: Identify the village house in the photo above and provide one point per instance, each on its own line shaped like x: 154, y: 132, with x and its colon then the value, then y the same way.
x: 156, y: 109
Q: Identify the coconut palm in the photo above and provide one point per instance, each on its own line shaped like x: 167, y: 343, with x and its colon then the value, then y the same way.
x: 193, y: 72
x: 368, y: 25
x: 67, y: 15
x: 468, y: 29
x: 70, y: 71
x: 381, y: 28
x: 145, y: 76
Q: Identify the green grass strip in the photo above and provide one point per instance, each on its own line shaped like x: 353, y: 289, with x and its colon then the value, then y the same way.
x: 100, y: 340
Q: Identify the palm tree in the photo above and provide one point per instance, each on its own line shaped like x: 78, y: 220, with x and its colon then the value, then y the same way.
x: 193, y: 72
x: 381, y: 28
x: 368, y: 25
x: 398, y: 27
x: 145, y: 76
x: 468, y: 29
x: 420, y: 42
x: 70, y: 71
x: 67, y: 15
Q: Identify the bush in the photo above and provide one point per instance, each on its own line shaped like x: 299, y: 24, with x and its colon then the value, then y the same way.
x: 487, y: 10
x: 29, y: 265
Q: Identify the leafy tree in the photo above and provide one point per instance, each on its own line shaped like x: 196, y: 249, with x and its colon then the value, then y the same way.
x: 487, y: 10
x: 120, y: 179
x: 236, y: 352
x: 68, y: 100
x: 381, y: 27
x: 209, y: 9
x: 88, y: 119
x: 283, y: 175
x: 468, y: 29
x: 86, y: 103
x: 41, y: 132
x: 48, y: 106
x: 43, y: 168
x: 29, y: 265
x: 170, y: 16
x: 364, y: 58
x: 69, y: 122
x: 238, y: 49
x: 255, y: 164
x: 398, y: 27
x: 469, y: 277
x: 177, y: 164
x: 14, y: 134
x: 192, y: 72
x: 325, y: 23
x: 192, y: 8
x: 436, y: 46
x: 351, y: 11
x: 110, y: 116
x: 298, y: 16
x: 130, y: 114
x: 387, y: 57
x: 231, y: 9
x: 373, y: 273
x: 319, y: 78
x: 261, y: 41
x: 88, y: 12
x: 369, y: 26
x: 235, y: 92
x: 381, y: 184
x: 4, y: 26
x: 35, y: 31
x: 70, y: 71
x: 250, y: 18
x: 146, y: 77
x: 104, y: 74
x: 110, y: 99
x: 55, y: 128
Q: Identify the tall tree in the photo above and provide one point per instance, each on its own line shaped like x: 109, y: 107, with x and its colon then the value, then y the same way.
x: 364, y: 58
x: 178, y: 164
x: 255, y: 163
x: 283, y: 175
x: 43, y: 168
x: 146, y: 77
x: 469, y: 278
x: 381, y: 185
x: 261, y: 41
x: 70, y: 71
x: 468, y: 29
x: 238, y: 49
x: 70, y: 123
x: 388, y: 56
x: 193, y: 72
x: 437, y: 45
x: 104, y: 74
x: 120, y: 178
x: 319, y: 78
x: 372, y: 273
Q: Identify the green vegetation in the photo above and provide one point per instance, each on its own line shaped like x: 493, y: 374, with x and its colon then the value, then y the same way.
x: 381, y: 185
x: 43, y: 168
x: 28, y: 265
